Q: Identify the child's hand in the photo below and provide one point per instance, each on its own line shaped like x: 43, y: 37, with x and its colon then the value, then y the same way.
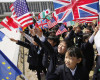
x: 22, y: 33
x: 96, y: 30
x: 32, y: 31
x: 74, y: 28
x: 38, y: 32
x: 13, y: 40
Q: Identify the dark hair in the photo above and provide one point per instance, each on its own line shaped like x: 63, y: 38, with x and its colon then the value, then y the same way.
x: 54, y: 38
x: 75, y: 52
x: 70, y: 27
x: 85, y: 36
x: 79, y: 26
x: 89, y: 28
x: 67, y: 42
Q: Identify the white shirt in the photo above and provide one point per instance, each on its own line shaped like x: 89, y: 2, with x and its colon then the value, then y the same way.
x: 73, y: 71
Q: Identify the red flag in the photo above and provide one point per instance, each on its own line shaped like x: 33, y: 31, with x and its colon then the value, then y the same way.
x: 5, y: 23
x: 12, y: 23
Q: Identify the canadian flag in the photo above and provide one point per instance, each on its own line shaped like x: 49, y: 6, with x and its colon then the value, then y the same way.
x: 12, y: 23
x: 54, y: 15
x: 5, y: 23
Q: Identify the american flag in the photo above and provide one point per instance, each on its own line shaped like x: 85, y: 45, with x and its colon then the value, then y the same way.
x: 68, y: 10
x: 20, y: 11
x: 61, y: 30
x: 51, y: 23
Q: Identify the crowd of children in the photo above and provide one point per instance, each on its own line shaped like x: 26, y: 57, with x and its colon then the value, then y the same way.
x: 69, y: 56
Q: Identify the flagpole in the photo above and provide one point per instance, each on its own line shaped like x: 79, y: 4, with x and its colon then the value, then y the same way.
x: 24, y: 76
x: 97, y: 20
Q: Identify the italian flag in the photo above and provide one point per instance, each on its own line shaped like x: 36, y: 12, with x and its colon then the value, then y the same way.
x: 44, y: 14
x: 41, y: 15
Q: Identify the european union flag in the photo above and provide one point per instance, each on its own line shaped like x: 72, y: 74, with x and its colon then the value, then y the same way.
x: 8, y: 71
x: 1, y: 35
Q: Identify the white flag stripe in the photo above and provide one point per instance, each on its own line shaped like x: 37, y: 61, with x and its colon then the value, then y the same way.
x: 91, y: 9
x: 27, y: 23
x: 24, y: 15
x: 22, y: 20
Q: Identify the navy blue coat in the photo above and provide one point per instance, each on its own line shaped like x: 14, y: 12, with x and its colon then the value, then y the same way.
x: 64, y: 73
x: 96, y: 75
x: 88, y: 52
x: 34, y: 59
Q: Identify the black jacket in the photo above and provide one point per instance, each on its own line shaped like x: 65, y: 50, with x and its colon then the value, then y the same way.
x: 64, y: 73
x: 56, y: 59
x: 96, y: 75
x: 34, y: 59
x: 88, y: 52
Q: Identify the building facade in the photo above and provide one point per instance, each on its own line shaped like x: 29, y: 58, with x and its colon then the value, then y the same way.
x: 33, y: 6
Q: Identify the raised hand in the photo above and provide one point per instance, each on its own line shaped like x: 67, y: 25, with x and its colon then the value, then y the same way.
x: 38, y: 32
x: 13, y: 40
x: 22, y: 33
x: 96, y: 30
x: 32, y: 31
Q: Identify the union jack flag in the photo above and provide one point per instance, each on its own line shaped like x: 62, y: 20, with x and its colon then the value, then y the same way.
x: 86, y: 19
x: 61, y: 30
x: 51, y: 23
x: 68, y: 10
x: 42, y: 23
x: 20, y: 11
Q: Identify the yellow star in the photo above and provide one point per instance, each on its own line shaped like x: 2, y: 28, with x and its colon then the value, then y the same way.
x: 8, y: 67
x: 3, y: 63
x: 2, y: 79
x: 10, y: 73
x: 7, y: 77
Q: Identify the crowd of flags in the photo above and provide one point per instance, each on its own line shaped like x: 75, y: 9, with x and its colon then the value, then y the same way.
x: 66, y: 12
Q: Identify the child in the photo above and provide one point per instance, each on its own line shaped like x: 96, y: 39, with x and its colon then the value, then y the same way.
x: 87, y: 48
x: 35, y: 55
x: 73, y: 69
x: 56, y: 57
x: 53, y: 40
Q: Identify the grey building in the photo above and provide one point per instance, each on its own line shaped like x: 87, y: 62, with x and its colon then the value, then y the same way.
x: 33, y: 6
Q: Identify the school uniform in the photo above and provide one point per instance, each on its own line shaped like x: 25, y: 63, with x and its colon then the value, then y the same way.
x: 96, y: 75
x: 46, y: 58
x: 64, y: 73
x: 70, y: 37
x: 56, y: 59
x: 35, y: 57
x: 88, y: 52
x: 32, y: 55
x: 78, y: 37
